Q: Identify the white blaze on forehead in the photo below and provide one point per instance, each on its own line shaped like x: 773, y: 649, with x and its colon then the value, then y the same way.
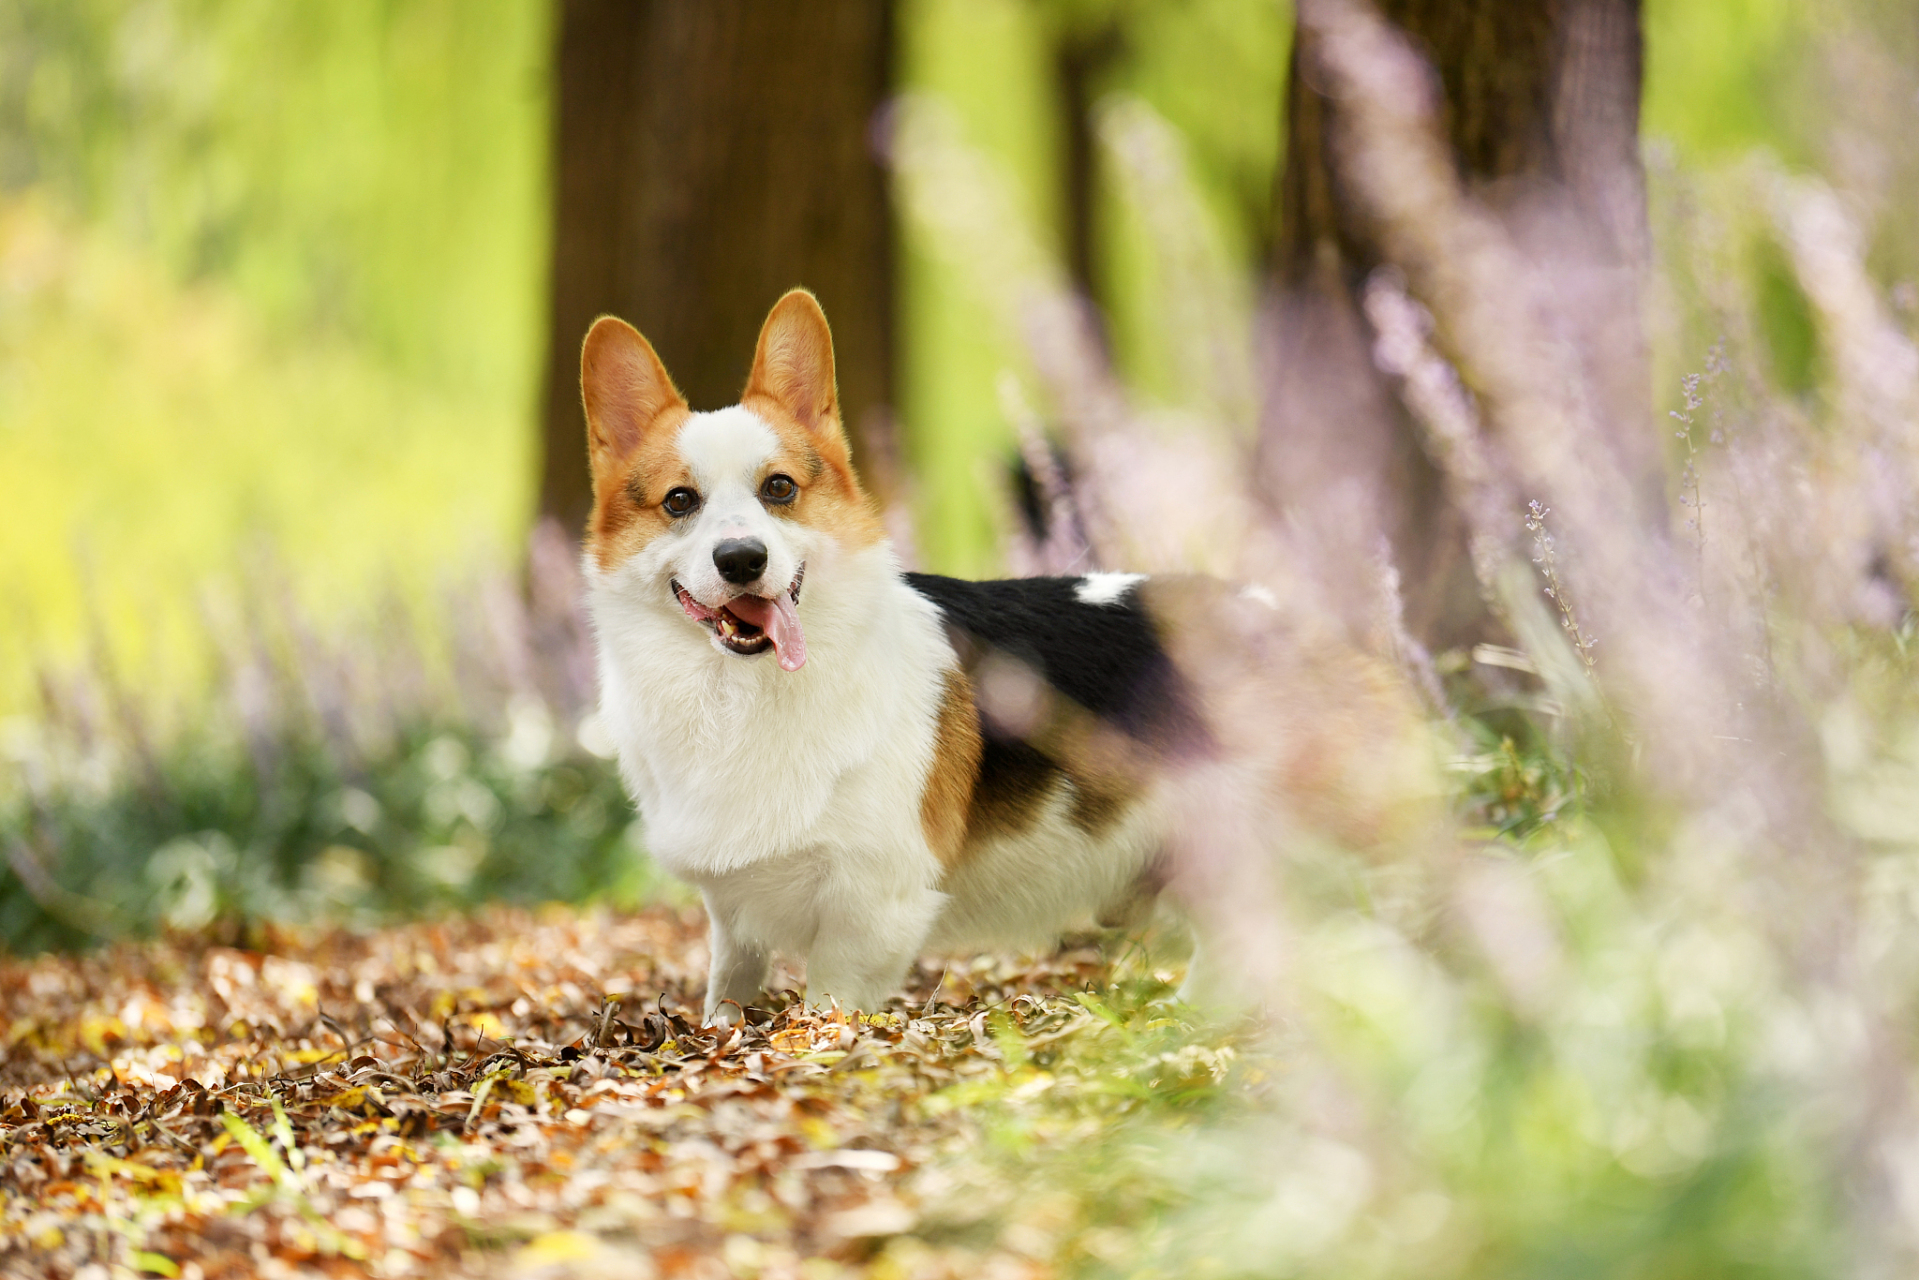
x: 727, y: 444
x: 1105, y: 588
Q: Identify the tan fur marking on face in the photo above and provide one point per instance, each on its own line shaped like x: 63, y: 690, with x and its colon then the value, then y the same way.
x: 633, y: 418
x: 955, y: 771
x: 830, y: 497
x: 792, y: 388
x: 626, y: 502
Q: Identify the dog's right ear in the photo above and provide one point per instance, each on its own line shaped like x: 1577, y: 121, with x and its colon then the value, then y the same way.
x: 625, y: 388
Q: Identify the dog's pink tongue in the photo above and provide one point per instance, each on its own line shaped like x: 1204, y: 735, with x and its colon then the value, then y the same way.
x: 781, y: 622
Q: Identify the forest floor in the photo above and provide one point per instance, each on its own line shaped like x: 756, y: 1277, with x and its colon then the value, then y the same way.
x: 523, y: 1094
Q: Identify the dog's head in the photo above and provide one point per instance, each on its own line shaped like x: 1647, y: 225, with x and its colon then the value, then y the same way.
x: 720, y: 513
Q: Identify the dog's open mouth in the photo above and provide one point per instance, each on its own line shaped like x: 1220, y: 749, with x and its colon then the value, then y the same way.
x: 749, y: 624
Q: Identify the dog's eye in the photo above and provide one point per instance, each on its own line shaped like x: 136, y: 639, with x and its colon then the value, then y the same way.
x: 681, y: 502
x: 779, y: 489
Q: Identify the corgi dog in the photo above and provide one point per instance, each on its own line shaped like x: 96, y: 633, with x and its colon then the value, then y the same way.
x: 853, y: 763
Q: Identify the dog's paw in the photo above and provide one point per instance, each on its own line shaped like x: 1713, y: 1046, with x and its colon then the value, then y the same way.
x: 726, y: 1013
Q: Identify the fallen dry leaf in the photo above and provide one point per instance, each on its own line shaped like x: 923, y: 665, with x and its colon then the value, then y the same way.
x: 516, y: 1093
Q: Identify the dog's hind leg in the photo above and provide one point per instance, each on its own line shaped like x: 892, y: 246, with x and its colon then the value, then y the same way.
x: 738, y: 969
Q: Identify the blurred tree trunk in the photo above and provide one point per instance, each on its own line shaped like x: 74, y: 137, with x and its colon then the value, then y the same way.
x: 1542, y: 110
x: 711, y: 154
x: 1085, y: 49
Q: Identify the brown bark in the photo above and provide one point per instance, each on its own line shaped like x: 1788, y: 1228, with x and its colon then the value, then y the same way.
x: 1083, y: 53
x: 1541, y: 107
x: 710, y: 155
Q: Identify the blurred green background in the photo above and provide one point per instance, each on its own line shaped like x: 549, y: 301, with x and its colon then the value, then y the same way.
x: 271, y: 279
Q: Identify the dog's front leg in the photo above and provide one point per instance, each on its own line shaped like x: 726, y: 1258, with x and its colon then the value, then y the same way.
x: 738, y: 969
x: 865, y: 944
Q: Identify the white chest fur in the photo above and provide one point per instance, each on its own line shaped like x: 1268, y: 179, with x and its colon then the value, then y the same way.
x: 735, y: 762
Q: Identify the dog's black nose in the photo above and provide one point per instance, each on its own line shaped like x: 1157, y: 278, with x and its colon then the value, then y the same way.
x: 740, y: 560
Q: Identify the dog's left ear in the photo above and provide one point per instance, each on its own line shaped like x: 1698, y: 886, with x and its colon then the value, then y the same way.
x: 626, y: 391
x: 793, y: 365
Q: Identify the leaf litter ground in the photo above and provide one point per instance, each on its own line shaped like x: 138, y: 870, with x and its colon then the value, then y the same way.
x: 524, y: 1094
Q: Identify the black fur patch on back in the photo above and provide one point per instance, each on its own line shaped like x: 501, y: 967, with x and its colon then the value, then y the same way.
x: 1105, y: 657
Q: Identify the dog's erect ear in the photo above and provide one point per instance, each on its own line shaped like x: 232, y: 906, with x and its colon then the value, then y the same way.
x: 793, y: 365
x: 625, y: 388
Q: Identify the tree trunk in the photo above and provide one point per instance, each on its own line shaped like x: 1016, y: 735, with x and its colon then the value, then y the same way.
x: 1542, y: 110
x: 1084, y: 51
x: 710, y: 155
